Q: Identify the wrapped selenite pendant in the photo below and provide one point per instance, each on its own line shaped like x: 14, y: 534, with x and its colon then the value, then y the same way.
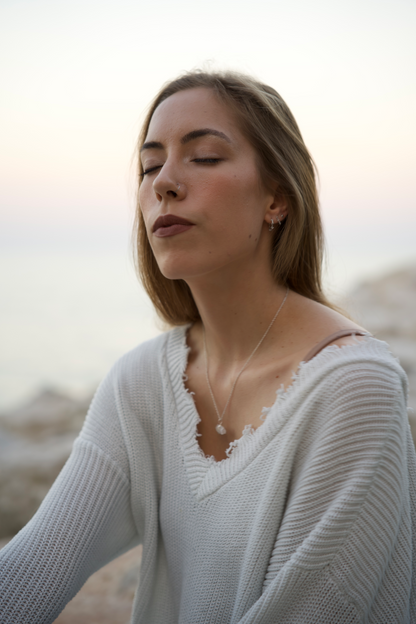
x: 220, y: 429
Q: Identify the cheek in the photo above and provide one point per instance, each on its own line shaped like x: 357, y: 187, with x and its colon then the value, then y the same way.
x: 230, y: 194
x: 142, y: 197
x: 144, y: 203
x: 239, y: 198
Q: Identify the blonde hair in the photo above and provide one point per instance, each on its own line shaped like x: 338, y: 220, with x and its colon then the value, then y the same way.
x: 267, y: 122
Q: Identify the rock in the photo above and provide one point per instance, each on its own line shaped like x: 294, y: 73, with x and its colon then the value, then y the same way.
x: 107, y: 596
x: 27, y: 471
x: 386, y: 307
x: 50, y: 413
x: 35, y: 442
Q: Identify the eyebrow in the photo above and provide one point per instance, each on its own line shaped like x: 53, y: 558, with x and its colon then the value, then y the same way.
x: 151, y: 145
x: 194, y: 134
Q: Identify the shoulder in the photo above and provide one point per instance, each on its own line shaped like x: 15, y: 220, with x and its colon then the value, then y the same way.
x: 131, y: 395
x: 148, y: 350
x: 362, y: 379
x: 364, y: 353
x: 310, y: 324
x: 141, y: 374
x: 148, y: 356
x: 349, y: 403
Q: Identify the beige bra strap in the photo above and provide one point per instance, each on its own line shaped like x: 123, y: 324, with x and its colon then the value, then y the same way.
x: 326, y: 341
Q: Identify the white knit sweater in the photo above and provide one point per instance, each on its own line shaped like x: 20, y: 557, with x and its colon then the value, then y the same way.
x: 309, y: 520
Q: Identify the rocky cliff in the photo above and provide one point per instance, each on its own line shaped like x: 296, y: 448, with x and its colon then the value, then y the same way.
x: 35, y: 442
x: 387, y: 308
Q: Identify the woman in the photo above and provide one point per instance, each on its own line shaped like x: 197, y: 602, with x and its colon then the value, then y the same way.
x: 300, y: 512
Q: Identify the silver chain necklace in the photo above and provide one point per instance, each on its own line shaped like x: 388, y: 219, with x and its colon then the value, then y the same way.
x: 220, y: 427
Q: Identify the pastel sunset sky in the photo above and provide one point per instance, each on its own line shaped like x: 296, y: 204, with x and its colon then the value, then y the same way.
x: 77, y: 77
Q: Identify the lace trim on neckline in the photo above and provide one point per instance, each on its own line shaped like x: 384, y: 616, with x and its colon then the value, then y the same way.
x: 283, y: 395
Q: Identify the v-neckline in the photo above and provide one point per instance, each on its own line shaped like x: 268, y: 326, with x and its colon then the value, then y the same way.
x: 206, y: 474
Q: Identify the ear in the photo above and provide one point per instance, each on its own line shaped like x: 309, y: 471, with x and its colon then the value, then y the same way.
x: 278, y: 209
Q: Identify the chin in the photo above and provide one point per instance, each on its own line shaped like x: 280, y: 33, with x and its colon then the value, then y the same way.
x: 184, y: 268
x: 174, y: 269
x: 181, y: 264
x: 176, y: 273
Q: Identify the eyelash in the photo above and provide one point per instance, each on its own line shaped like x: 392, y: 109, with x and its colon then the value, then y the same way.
x: 207, y: 161
x: 150, y: 170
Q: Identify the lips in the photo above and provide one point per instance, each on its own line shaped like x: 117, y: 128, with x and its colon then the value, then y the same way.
x: 169, y: 225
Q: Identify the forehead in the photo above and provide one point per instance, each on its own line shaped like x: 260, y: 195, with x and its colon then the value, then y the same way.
x: 192, y: 109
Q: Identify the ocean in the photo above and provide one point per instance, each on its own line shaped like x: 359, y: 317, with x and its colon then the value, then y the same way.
x: 66, y: 316
x: 65, y: 319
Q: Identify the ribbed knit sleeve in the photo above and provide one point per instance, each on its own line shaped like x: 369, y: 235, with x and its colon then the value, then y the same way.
x: 343, y: 552
x: 83, y: 523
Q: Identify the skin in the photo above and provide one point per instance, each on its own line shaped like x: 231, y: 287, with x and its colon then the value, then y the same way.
x: 225, y: 259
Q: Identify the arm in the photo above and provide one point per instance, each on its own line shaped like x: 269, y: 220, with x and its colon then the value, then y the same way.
x: 343, y: 552
x: 84, y: 522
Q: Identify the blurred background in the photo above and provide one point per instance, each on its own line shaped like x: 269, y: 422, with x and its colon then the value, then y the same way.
x: 76, y: 79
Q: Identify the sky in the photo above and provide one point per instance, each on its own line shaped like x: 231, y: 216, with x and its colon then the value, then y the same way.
x: 76, y: 78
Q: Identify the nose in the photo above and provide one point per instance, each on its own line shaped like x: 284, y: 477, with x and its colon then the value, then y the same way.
x: 167, y: 187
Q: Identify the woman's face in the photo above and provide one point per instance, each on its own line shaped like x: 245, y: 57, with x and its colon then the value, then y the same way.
x: 202, y: 199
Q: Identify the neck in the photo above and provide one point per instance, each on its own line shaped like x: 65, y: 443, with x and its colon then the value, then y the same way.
x: 236, y: 308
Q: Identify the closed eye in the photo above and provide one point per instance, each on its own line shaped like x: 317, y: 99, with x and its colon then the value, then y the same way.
x: 146, y: 171
x: 208, y: 161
